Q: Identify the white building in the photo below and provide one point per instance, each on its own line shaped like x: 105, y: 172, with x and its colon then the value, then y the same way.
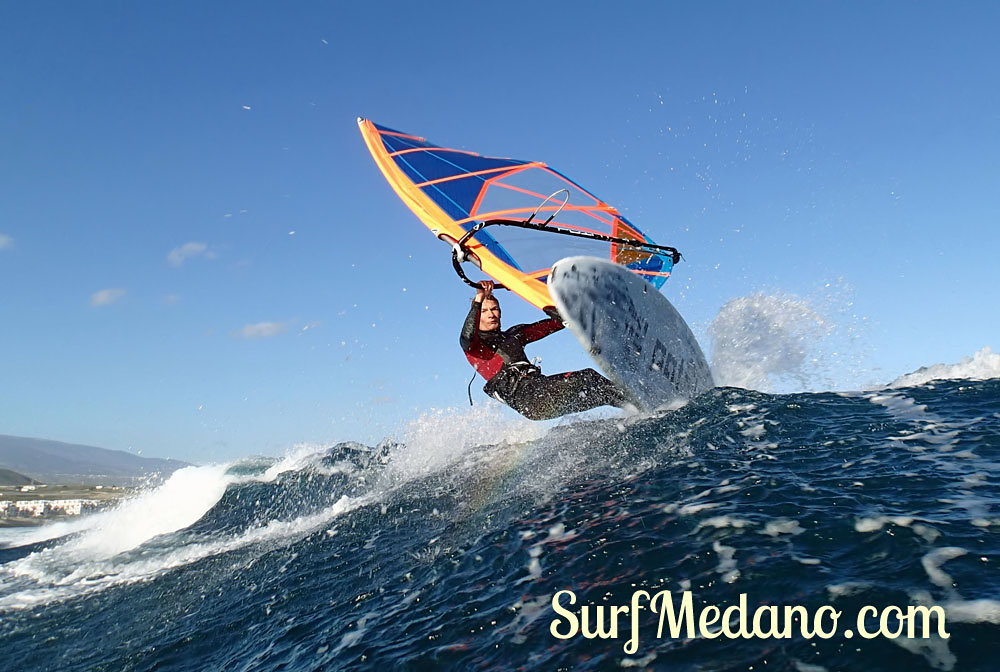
x: 64, y: 507
x: 72, y: 507
x: 33, y: 508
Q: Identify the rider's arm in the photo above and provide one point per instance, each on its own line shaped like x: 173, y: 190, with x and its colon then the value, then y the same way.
x: 470, y: 330
x: 536, y: 330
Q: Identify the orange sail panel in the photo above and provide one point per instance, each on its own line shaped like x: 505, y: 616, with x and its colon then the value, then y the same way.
x: 452, y: 190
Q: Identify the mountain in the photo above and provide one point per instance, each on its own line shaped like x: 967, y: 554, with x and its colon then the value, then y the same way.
x: 8, y: 477
x: 58, y: 462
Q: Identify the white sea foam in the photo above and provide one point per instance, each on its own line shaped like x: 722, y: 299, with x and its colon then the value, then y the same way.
x: 100, y: 552
x: 727, y: 562
x: 899, y: 405
x: 927, y: 533
x: 876, y: 523
x: 932, y: 564
x: 180, y: 502
x: 847, y: 589
x: 808, y: 667
x: 175, y: 504
x: 973, y: 611
x: 781, y: 526
x: 873, y: 524
x: 172, y: 505
x: 983, y: 365
x: 720, y: 522
x: 690, y: 509
x: 937, y: 438
x: 25, y: 536
x: 643, y: 662
x: 934, y: 650
x: 62, y: 572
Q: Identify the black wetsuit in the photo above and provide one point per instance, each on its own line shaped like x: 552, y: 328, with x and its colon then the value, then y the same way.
x: 499, y: 357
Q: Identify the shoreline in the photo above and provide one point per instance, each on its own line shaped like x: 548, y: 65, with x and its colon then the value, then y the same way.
x: 44, y: 493
x: 20, y: 522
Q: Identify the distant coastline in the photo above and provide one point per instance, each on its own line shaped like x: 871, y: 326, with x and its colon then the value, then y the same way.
x: 42, y: 480
x: 46, y: 461
x: 30, y: 505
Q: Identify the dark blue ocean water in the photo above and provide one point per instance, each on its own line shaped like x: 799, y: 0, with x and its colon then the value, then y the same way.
x: 445, y: 551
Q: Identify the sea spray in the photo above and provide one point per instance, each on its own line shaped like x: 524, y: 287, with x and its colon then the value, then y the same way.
x: 759, y: 339
x: 183, y: 499
x: 439, y: 437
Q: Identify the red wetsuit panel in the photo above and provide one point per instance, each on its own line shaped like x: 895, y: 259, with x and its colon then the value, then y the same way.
x: 488, y: 352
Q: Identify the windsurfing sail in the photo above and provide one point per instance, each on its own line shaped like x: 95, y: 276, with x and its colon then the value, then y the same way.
x: 501, y: 214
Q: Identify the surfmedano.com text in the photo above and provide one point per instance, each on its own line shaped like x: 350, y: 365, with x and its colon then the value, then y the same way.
x: 684, y: 620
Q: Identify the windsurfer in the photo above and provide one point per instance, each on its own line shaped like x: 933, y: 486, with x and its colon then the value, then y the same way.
x: 498, y: 355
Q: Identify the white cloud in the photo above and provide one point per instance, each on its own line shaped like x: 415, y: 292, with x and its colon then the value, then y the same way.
x: 261, y: 330
x: 179, y: 255
x: 106, y: 296
x: 5, y: 241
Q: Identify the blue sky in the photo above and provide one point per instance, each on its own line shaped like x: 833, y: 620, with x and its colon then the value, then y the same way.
x: 200, y: 260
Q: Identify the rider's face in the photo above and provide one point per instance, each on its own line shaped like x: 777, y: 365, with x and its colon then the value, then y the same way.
x: 489, y: 315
